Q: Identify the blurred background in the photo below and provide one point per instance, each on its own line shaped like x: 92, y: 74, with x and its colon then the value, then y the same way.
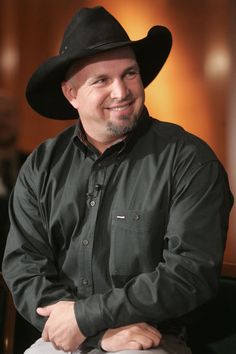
x: 196, y: 88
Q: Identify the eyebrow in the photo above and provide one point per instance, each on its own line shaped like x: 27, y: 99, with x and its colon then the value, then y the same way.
x: 104, y: 75
x: 132, y: 67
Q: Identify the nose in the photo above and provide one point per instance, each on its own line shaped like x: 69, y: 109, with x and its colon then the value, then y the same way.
x: 119, y: 90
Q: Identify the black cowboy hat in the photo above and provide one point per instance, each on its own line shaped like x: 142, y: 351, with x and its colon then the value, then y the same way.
x: 91, y: 31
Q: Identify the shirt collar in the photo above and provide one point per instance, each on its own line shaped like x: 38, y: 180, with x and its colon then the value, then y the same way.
x: 81, y: 141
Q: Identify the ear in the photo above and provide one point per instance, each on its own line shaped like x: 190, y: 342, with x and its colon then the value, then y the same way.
x: 70, y: 93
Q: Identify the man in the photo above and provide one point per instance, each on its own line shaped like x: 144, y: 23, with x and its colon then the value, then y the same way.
x: 118, y: 224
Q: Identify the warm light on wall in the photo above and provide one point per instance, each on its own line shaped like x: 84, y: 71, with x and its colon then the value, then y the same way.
x: 9, y: 58
x: 218, y: 62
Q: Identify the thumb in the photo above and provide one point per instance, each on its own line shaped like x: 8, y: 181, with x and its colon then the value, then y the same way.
x: 44, y: 311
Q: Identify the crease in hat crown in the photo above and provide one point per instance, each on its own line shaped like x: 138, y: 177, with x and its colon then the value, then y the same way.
x: 108, y: 31
x: 91, y: 31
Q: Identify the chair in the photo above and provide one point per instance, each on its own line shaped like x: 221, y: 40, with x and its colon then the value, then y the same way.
x: 7, y: 319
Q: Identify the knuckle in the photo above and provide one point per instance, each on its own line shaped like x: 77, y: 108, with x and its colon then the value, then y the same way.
x: 157, y: 340
x: 66, y: 348
x: 135, y: 328
x: 143, y: 325
x: 126, y: 334
x: 147, y: 343
x: 136, y: 346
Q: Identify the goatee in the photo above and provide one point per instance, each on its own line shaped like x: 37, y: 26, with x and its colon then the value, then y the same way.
x: 120, y: 130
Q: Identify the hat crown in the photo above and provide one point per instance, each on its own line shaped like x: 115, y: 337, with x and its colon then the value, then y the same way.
x: 91, y: 28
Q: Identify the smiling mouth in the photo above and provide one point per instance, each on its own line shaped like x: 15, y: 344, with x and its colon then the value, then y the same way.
x: 119, y: 108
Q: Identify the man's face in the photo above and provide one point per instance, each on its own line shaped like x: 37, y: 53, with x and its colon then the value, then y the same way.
x: 8, y: 122
x: 109, y: 94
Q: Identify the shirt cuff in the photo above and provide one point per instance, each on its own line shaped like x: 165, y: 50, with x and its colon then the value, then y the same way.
x: 89, y: 316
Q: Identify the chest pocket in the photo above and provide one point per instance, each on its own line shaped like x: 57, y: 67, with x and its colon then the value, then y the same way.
x: 136, y: 242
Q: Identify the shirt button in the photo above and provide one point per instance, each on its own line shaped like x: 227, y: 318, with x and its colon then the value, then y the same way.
x: 85, y: 282
x: 136, y: 217
x: 92, y: 203
x: 85, y: 242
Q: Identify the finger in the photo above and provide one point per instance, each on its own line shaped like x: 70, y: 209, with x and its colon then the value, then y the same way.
x: 152, y: 330
x: 56, y: 346
x: 143, y: 333
x: 154, y: 337
x: 144, y: 328
x: 45, y: 335
x: 146, y: 342
x: 134, y: 345
x: 150, y: 337
x: 44, y: 311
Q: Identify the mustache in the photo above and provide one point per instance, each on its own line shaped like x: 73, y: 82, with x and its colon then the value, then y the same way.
x: 128, y: 99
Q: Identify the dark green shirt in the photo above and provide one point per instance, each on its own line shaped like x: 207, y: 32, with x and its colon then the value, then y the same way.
x: 136, y: 234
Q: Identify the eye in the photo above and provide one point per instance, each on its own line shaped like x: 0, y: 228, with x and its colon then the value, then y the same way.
x: 131, y: 74
x: 100, y: 81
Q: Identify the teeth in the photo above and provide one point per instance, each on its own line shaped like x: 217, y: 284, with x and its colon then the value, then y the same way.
x: 119, y: 108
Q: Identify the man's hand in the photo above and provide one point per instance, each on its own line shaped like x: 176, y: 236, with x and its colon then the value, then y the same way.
x: 61, y: 327
x: 136, y: 336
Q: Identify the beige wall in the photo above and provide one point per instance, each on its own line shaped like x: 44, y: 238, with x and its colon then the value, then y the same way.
x: 194, y: 89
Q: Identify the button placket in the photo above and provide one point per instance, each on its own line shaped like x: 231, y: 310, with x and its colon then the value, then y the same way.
x: 94, y: 192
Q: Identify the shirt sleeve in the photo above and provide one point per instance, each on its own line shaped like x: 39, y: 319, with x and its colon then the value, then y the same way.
x: 192, y: 258
x: 30, y: 263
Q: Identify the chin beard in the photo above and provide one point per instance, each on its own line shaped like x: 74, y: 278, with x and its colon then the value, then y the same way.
x: 118, y: 130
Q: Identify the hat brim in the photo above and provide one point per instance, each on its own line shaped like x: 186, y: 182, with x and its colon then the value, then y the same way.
x: 44, y: 92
